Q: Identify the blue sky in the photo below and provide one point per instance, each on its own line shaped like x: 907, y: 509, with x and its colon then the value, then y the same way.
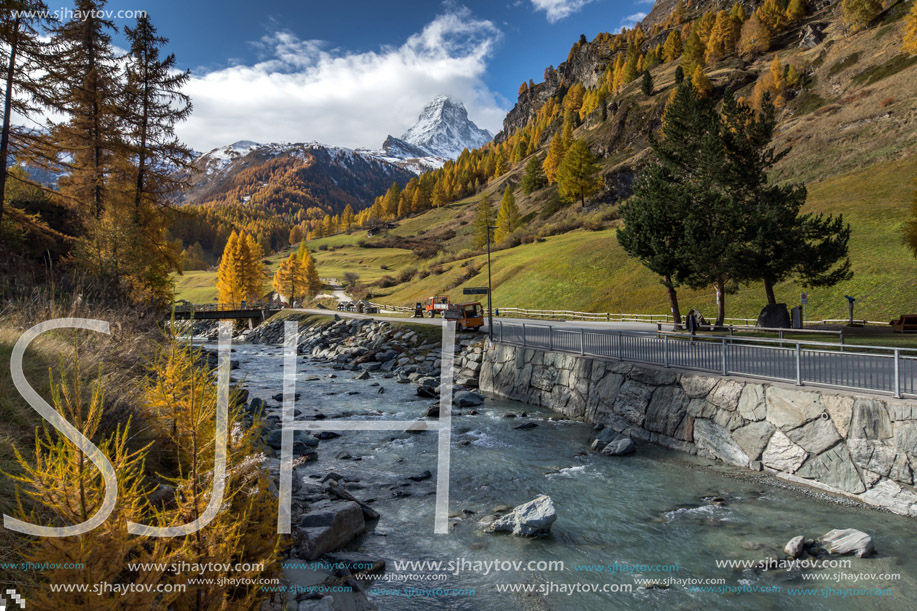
x: 351, y: 72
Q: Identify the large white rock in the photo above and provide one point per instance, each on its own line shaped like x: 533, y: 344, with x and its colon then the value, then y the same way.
x: 795, y: 547
x: 782, y: 454
x: 715, y: 440
x: 529, y: 519
x: 788, y: 409
x: 848, y: 541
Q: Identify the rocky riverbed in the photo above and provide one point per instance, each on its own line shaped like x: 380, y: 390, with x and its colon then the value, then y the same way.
x: 364, y: 500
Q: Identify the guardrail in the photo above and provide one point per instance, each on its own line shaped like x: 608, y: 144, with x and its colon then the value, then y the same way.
x: 882, y: 369
x: 223, y: 307
x: 394, y: 308
x: 591, y: 316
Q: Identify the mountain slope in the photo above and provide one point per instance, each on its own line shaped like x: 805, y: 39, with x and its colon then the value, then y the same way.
x: 286, y: 178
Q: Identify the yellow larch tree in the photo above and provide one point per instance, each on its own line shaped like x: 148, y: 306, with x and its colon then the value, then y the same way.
x: 555, y: 156
x: 67, y: 489
x: 289, y: 281
x: 508, y: 218
x: 909, y: 42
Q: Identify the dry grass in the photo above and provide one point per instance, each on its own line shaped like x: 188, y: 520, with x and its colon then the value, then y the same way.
x: 119, y: 358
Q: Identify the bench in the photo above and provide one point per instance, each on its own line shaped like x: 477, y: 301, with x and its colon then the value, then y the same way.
x: 906, y: 323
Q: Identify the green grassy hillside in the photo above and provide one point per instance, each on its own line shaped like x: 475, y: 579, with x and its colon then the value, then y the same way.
x: 588, y: 271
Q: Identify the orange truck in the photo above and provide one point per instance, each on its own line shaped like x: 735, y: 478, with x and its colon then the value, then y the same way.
x: 467, y: 316
x: 437, y: 305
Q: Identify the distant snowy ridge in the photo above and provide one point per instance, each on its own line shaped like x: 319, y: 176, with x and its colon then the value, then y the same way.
x: 443, y: 130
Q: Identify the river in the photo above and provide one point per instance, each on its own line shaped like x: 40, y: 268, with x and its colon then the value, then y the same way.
x: 655, y: 515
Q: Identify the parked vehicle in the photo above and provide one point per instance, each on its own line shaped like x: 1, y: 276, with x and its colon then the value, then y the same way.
x: 467, y: 316
x: 437, y: 304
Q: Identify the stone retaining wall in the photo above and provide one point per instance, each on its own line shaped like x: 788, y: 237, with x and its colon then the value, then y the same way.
x: 854, y: 446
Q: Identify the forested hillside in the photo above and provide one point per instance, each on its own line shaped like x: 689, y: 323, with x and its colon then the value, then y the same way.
x: 842, y: 81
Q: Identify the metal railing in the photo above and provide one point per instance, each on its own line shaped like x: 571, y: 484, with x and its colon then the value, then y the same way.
x: 876, y: 368
x: 224, y: 307
x: 593, y: 316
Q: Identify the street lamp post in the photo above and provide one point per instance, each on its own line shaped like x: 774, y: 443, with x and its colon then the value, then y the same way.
x: 490, y: 312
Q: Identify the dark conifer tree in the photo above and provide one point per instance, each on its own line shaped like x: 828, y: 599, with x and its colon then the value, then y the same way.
x: 22, y: 53
x: 646, y: 86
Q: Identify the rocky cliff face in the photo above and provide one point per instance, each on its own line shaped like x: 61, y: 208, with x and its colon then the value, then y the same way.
x: 585, y: 66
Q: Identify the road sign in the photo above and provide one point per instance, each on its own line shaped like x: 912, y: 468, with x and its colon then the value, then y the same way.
x: 804, y: 298
x: 474, y: 290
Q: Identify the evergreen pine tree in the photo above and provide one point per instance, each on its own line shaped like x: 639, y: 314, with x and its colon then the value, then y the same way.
x: 508, y: 218
x: 777, y: 240
x: 683, y: 220
x: 679, y: 75
x: 534, y: 177
x: 577, y: 176
x: 693, y: 54
x: 646, y: 86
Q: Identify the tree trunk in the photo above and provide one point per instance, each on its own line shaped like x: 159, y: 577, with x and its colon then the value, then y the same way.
x: 7, y: 111
x: 769, y: 291
x: 673, y: 301
x: 720, y: 301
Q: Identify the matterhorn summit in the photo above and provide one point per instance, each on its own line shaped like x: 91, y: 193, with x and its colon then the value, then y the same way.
x: 444, y: 129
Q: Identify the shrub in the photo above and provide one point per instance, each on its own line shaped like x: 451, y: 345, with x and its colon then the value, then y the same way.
x: 406, y: 275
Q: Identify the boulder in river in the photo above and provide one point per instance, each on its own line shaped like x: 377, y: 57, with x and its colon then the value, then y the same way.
x: 530, y: 519
x: 619, y: 447
x: 795, y: 547
x: 848, y: 541
x: 330, y: 525
x: 610, y: 443
x: 467, y: 398
x: 256, y: 406
x: 302, y: 440
x: 525, y: 426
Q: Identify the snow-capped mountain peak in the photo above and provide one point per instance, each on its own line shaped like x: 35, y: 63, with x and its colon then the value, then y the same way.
x: 444, y: 129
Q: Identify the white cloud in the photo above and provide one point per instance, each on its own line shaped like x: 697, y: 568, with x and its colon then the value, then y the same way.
x: 559, y: 9
x: 648, y: 2
x: 632, y: 20
x: 301, y: 91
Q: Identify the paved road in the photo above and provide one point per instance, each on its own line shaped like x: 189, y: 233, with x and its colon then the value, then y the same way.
x: 826, y: 367
x: 557, y: 324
